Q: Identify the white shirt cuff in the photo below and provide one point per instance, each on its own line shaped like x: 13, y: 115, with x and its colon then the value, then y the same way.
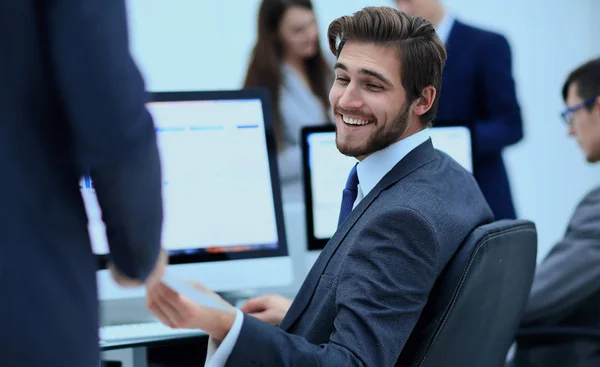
x: 217, y: 354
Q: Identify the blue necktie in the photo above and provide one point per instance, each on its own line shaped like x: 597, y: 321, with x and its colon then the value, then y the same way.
x: 349, y: 195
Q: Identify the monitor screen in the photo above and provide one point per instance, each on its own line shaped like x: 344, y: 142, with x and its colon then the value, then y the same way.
x: 221, y: 198
x: 326, y: 170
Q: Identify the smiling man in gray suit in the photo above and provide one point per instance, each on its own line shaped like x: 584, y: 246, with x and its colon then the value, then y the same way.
x: 566, y: 287
x: 405, y: 210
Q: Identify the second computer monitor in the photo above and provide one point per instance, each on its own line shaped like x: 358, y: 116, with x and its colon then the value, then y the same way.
x: 325, y: 172
x: 223, y: 218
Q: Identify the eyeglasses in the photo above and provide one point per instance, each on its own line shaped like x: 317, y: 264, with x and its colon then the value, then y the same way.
x: 567, y: 115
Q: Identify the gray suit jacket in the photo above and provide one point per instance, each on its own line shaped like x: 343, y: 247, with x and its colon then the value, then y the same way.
x: 566, y: 288
x: 569, y: 277
x: 363, y: 297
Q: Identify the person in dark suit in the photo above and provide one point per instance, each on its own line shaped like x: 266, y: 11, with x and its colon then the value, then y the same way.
x: 566, y: 290
x: 478, y: 89
x: 73, y: 104
x: 405, y: 210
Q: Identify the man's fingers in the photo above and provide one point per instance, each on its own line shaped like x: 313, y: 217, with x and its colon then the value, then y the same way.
x: 254, y: 305
x: 158, y: 307
x: 181, y: 309
x: 157, y: 310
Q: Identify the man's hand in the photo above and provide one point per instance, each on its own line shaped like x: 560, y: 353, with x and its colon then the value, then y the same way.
x: 177, y: 311
x: 270, y: 308
x: 155, y: 276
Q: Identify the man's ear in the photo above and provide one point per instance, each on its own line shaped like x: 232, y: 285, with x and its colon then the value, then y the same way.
x: 423, y: 104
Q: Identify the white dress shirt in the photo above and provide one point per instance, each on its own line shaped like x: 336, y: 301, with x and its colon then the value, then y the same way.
x: 216, y: 355
x: 443, y: 29
x: 370, y: 171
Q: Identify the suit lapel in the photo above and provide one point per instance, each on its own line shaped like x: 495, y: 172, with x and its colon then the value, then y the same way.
x: 420, y: 156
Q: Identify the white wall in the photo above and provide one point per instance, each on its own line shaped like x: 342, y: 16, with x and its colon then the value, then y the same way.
x: 202, y: 44
x: 205, y: 44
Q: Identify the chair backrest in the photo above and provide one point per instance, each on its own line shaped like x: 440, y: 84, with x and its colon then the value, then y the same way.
x: 476, y: 305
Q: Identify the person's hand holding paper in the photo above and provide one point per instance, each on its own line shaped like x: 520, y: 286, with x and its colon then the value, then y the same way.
x: 190, y: 305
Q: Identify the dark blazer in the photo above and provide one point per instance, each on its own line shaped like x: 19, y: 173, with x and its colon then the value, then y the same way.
x: 363, y: 297
x: 72, y: 103
x: 566, y: 290
x: 478, y: 88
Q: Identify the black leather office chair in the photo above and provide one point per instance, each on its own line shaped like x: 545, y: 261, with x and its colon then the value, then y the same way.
x: 475, y: 306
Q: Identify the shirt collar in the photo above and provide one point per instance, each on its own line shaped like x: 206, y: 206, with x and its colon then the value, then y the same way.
x: 443, y: 29
x: 372, y: 169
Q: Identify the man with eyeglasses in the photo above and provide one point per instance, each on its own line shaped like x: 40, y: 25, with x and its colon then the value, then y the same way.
x: 566, y: 287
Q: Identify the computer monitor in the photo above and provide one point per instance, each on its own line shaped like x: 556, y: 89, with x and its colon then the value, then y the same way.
x: 325, y: 171
x: 223, y: 220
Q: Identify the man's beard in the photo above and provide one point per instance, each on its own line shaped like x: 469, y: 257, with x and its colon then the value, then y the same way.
x: 381, y: 138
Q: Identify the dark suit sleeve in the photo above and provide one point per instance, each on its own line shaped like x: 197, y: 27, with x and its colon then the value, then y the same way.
x: 571, y: 271
x: 104, y: 100
x: 381, y: 292
x: 503, y: 124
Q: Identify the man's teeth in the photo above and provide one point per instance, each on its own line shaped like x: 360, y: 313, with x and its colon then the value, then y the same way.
x: 352, y: 121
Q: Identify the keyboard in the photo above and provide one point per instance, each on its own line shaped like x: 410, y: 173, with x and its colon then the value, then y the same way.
x: 148, y: 330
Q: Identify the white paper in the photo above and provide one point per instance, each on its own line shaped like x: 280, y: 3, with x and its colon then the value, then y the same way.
x: 194, y: 294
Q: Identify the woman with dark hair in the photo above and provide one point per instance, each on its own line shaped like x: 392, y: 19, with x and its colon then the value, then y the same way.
x: 288, y: 61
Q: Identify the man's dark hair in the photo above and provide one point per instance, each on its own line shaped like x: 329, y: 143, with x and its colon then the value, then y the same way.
x: 586, y: 78
x: 422, y: 53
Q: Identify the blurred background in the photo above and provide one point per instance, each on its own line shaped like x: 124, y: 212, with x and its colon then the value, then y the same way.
x: 206, y: 45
